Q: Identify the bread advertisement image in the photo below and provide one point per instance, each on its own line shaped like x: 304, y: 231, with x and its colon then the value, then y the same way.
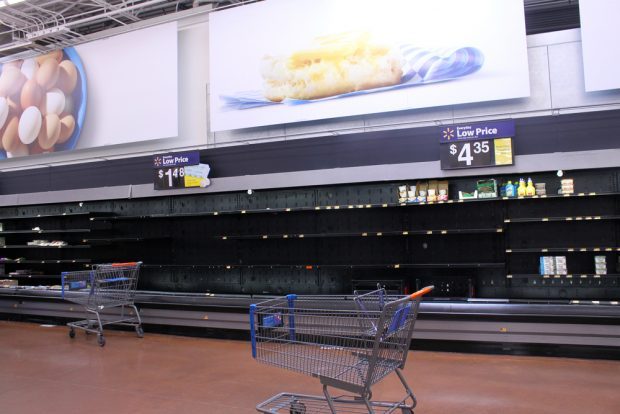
x: 333, y: 65
x: 309, y: 60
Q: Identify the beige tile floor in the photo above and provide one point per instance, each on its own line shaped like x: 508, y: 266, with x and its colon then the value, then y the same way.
x: 43, y: 371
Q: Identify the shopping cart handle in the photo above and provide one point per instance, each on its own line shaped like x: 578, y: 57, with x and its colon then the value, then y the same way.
x: 126, y: 264
x: 421, y: 292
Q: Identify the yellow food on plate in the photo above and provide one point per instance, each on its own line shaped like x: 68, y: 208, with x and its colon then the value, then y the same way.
x: 333, y: 65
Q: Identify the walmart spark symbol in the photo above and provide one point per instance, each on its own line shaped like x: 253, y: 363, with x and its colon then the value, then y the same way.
x: 448, y: 134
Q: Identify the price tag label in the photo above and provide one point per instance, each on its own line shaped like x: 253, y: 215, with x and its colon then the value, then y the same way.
x: 180, y: 170
x: 476, y: 145
x: 465, y: 154
x: 167, y: 178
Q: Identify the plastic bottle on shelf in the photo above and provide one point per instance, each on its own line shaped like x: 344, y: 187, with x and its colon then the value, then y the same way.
x: 522, y: 188
x: 510, y: 189
x: 530, y: 190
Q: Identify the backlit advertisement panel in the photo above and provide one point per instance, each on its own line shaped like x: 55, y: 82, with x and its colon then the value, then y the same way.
x: 315, y: 59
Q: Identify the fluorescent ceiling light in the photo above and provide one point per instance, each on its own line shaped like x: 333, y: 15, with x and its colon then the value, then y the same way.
x: 47, y: 32
x: 4, y: 3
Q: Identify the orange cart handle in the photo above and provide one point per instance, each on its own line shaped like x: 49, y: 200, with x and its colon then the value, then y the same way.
x: 127, y: 264
x: 421, y: 292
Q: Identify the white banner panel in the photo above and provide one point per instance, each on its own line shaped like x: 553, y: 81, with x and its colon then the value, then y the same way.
x: 314, y: 59
x: 132, y: 87
x: 112, y: 91
x: 600, y: 35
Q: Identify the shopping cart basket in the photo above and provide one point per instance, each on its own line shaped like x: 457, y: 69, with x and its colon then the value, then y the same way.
x: 348, y: 344
x: 103, y: 287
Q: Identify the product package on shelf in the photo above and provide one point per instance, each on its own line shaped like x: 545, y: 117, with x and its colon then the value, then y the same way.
x: 442, y: 187
x: 509, y: 189
x: 467, y: 196
x: 600, y: 265
x: 530, y: 190
x: 540, y: 189
x: 547, y: 265
x: 521, y: 189
x: 432, y: 191
x: 411, y: 194
x: 402, y: 193
x: 560, y: 265
x: 487, y: 188
x: 567, y: 186
x: 422, y: 189
x: 8, y: 282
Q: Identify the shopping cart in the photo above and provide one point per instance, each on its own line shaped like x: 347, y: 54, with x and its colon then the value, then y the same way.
x: 103, y: 287
x: 348, y: 344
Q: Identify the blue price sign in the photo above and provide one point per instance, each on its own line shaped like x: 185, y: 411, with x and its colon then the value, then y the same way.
x: 483, y: 130
x: 179, y: 159
x: 476, y: 145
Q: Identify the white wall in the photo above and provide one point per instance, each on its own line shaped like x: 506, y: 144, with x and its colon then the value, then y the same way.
x: 556, y: 81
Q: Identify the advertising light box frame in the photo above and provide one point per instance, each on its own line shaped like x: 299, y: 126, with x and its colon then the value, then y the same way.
x: 318, y: 59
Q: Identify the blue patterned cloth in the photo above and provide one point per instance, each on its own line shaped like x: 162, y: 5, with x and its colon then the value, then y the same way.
x: 420, y: 66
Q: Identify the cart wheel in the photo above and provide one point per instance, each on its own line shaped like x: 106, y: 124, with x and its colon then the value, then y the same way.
x: 139, y: 331
x: 71, y: 333
x: 297, y: 408
x: 100, y: 340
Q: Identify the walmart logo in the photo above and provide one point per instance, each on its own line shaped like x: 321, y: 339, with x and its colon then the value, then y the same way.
x: 448, y: 133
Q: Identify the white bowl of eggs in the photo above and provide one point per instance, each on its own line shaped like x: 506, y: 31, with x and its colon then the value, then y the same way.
x: 42, y: 104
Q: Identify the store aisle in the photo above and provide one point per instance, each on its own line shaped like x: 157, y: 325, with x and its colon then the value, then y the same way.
x: 43, y: 371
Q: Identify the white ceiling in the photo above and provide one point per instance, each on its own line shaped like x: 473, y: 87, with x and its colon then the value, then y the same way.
x: 30, y: 27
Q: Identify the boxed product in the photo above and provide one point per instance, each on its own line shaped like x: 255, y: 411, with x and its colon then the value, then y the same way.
x: 466, y: 196
x: 422, y: 188
x: 600, y: 265
x: 442, y: 188
x: 487, y: 188
x: 402, y: 193
x: 567, y: 186
x: 547, y: 265
x: 411, y: 194
x: 600, y: 259
x: 433, y: 191
x: 560, y: 265
x: 8, y: 282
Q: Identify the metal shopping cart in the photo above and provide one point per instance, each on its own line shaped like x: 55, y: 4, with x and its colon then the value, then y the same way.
x: 103, y: 287
x: 349, y: 344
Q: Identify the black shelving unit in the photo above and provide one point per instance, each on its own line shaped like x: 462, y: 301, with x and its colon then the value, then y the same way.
x: 327, y: 240
x: 23, y: 225
x: 577, y: 227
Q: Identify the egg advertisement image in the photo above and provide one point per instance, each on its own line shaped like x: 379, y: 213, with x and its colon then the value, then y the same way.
x: 42, y: 104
